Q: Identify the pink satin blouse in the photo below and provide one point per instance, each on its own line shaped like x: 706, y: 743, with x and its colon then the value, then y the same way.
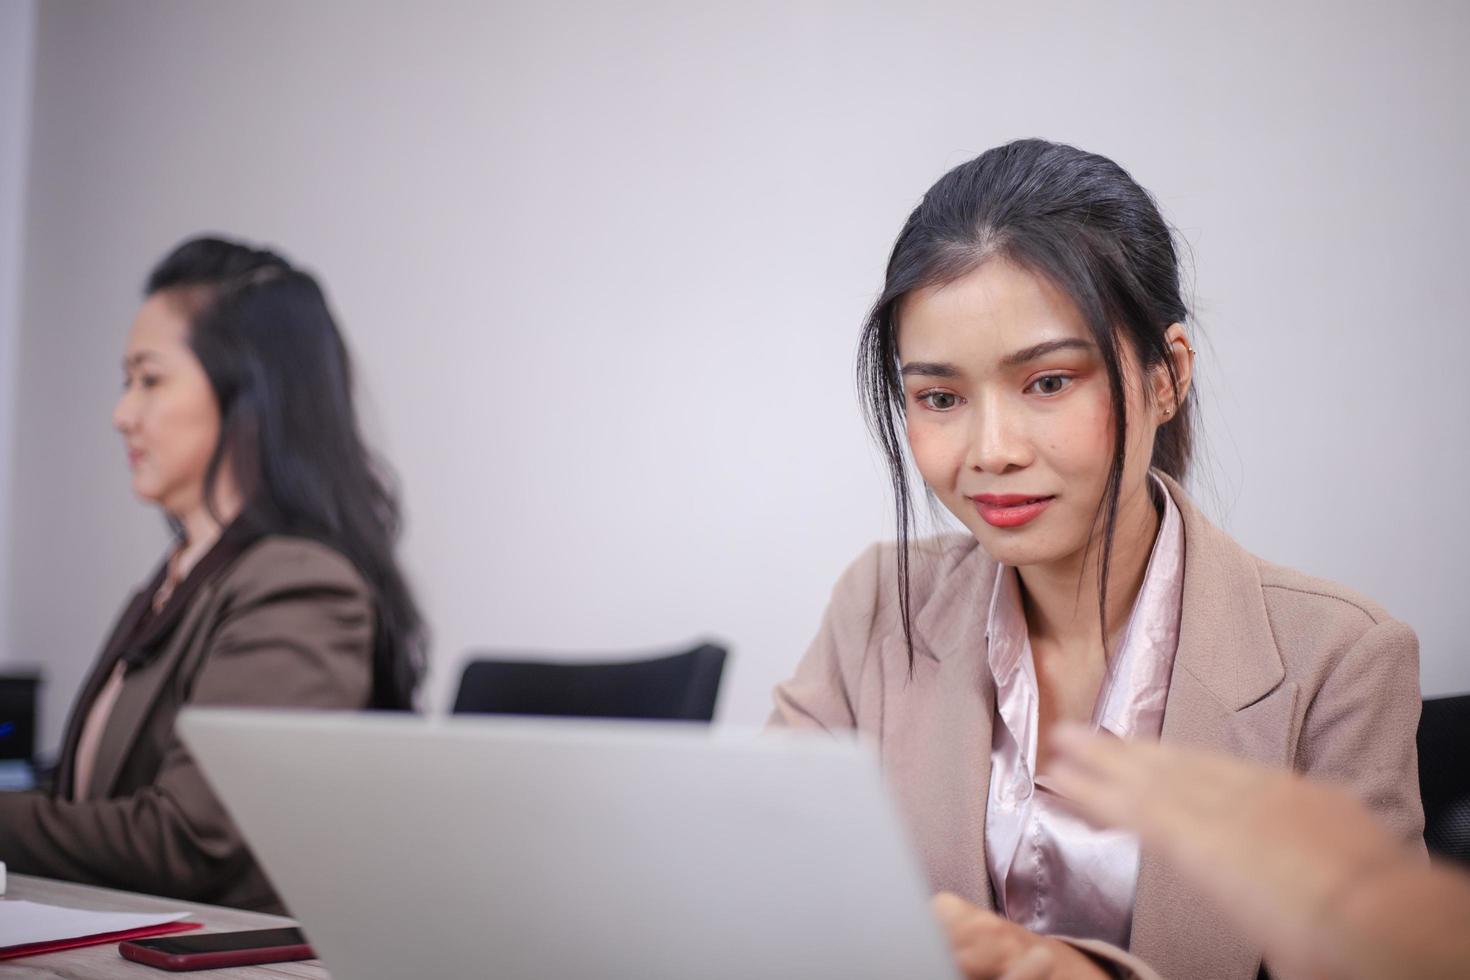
x: 1050, y: 871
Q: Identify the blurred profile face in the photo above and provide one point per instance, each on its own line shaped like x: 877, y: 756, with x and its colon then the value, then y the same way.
x: 167, y: 415
x: 1008, y: 412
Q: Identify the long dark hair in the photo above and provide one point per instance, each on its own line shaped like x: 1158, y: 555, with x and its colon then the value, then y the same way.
x: 1080, y: 221
x: 281, y: 374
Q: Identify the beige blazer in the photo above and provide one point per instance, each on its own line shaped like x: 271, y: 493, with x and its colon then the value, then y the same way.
x: 1272, y: 665
x: 289, y: 623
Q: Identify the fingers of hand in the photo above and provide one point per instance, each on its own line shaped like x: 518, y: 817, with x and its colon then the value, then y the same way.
x: 1037, y: 963
x: 967, y: 925
x: 984, y: 944
x: 1097, y: 800
x: 950, y: 909
x: 1093, y: 773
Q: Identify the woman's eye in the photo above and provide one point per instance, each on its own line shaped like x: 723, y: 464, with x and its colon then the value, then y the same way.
x: 940, y: 401
x: 1051, y: 384
x: 148, y: 381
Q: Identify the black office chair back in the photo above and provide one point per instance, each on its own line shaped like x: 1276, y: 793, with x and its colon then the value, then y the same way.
x: 681, y: 687
x: 1444, y: 776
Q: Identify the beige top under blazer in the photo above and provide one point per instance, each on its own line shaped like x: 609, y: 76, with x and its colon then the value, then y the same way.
x: 1272, y: 665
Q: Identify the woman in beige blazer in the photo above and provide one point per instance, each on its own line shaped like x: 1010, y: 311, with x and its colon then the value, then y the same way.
x: 1029, y: 355
x: 281, y: 588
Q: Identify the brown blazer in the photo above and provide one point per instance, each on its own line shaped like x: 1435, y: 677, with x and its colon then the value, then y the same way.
x: 1272, y: 665
x: 288, y: 623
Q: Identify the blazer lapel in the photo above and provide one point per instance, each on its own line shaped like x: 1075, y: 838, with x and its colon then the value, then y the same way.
x: 937, y: 721
x: 137, y: 697
x: 121, y: 630
x: 1226, y: 694
x: 152, y: 657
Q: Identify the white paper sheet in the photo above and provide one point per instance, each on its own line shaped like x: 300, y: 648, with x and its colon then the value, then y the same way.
x: 23, y: 923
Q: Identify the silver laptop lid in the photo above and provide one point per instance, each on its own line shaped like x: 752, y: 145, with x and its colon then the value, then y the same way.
x: 521, y: 848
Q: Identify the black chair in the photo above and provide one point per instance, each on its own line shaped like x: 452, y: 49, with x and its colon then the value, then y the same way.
x: 1444, y: 776
x: 681, y: 687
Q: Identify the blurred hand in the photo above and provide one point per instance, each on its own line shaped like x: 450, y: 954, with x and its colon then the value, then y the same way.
x: 1272, y: 847
x: 1304, y: 867
x: 988, y: 947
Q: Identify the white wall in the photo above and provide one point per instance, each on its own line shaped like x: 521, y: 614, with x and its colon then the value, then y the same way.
x: 17, y: 48
x: 603, y: 267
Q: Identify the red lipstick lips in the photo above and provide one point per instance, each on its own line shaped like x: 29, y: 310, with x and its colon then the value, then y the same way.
x: 1009, y: 509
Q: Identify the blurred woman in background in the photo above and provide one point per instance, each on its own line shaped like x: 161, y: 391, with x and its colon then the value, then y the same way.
x: 280, y: 588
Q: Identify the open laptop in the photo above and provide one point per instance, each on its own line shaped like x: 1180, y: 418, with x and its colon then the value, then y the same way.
x: 525, y: 848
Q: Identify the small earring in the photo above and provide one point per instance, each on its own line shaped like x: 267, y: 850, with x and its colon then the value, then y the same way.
x: 1167, y: 411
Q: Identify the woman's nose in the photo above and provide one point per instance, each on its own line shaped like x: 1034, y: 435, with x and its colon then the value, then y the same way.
x: 997, y: 442
x: 124, y: 415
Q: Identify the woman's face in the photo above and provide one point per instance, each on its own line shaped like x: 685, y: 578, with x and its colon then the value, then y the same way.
x: 1008, y: 412
x: 167, y: 414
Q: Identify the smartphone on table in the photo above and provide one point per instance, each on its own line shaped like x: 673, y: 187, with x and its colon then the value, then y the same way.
x: 219, y: 949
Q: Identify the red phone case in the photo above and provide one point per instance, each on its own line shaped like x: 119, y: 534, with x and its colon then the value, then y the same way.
x: 179, y: 962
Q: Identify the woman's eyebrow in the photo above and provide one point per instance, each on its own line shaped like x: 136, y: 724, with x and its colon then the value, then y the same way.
x: 930, y: 369
x: 1020, y: 357
x: 138, y: 357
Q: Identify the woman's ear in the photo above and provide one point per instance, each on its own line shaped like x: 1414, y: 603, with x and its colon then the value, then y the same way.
x: 1168, y: 400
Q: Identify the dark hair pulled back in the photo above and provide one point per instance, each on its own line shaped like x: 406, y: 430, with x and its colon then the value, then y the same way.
x: 282, y: 377
x: 1080, y: 221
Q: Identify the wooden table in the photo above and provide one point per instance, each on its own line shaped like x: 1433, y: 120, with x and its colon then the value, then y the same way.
x: 104, y: 963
